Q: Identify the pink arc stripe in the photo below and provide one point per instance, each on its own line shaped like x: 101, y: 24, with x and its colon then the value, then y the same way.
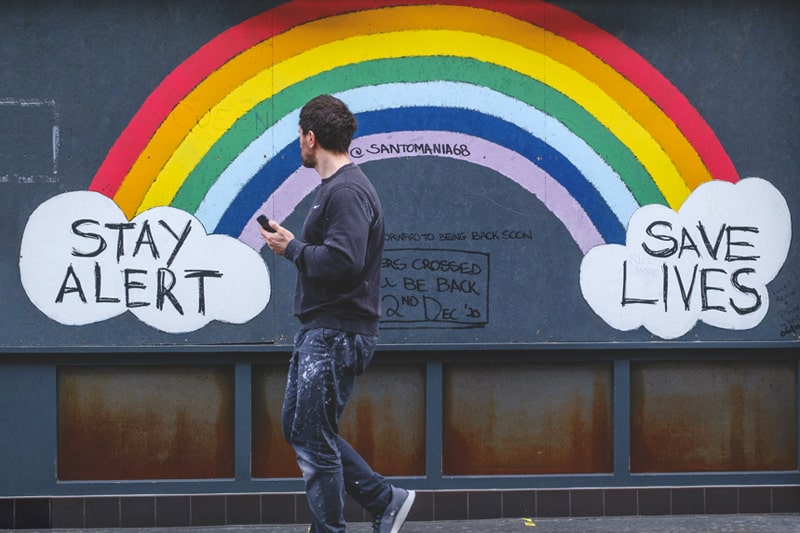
x: 498, y: 158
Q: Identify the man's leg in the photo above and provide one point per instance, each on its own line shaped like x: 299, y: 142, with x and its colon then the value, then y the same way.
x: 388, y: 505
x: 353, y: 354
x: 364, y: 485
x: 315, y: 395
x: 321, y: 379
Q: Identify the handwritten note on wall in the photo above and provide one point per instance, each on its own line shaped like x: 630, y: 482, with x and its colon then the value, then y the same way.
x: 439, y: 288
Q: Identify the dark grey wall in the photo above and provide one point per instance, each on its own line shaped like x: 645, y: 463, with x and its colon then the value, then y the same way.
x: 86, y: 67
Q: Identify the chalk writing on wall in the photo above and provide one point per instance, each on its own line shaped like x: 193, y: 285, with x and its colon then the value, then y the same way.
x: 436, y: 288
x: 788, y: 306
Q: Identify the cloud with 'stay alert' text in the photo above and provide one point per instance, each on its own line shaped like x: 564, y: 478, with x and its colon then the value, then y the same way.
x: 82, y: 261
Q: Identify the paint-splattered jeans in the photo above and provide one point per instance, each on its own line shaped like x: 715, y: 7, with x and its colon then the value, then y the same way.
x: 322, y: 374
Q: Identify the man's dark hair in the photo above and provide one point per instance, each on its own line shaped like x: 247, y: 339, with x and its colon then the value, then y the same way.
x: 331, y: 121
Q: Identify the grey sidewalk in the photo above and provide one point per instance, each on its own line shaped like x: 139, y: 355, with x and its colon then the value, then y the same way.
x: 773, y: 523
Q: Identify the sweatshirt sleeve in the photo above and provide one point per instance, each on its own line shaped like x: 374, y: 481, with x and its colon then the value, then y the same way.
x: 294, y: 250
x: 346, y: 226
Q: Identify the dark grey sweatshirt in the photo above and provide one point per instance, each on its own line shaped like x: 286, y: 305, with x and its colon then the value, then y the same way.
x: 338, y: 256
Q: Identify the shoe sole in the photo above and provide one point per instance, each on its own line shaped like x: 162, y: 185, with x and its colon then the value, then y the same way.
x: 403, y: 512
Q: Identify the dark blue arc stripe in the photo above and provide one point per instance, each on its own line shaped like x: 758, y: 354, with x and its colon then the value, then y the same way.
x: 465, y: 121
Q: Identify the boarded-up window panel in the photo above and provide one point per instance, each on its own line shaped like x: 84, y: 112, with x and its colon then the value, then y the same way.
x: 134, y: 423
x: 713, y: 416
x: 510, y: 419
x: 272, y: 457
x: 384, y: 421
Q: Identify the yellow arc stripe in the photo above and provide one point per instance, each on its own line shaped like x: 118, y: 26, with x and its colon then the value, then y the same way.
x: 419, y: 43
x: 297, y: 40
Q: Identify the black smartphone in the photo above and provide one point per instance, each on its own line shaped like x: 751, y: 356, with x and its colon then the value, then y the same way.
x: 264, y: 221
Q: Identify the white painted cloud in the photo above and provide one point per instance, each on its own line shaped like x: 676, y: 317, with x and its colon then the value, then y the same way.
x: 710, y: 261
x: 82, y: 261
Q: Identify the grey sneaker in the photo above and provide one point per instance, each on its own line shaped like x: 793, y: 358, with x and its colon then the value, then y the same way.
x: 396, y: 512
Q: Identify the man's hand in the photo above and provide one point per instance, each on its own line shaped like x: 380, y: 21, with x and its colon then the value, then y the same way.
x: 277, y: 241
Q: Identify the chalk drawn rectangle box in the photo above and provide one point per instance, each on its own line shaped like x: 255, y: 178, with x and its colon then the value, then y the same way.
x: 434, y: 288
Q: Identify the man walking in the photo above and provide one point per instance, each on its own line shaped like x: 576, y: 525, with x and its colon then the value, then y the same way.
x: 337, y: 301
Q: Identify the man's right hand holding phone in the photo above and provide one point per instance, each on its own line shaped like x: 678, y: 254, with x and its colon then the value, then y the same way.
x: 276, y: 236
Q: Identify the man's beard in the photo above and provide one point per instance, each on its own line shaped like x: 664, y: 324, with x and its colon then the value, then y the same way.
x: 309, y: 161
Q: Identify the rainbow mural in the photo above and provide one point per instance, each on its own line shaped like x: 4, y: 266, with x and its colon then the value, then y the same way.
x: 550, y: 101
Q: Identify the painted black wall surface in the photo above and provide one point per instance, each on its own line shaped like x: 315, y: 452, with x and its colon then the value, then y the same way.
x: 86, y: 67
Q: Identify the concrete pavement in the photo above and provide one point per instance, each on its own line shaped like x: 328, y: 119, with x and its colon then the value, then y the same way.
x: 741, y: 523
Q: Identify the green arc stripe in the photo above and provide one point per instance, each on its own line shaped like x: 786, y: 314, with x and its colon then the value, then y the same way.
x: 409, y: 70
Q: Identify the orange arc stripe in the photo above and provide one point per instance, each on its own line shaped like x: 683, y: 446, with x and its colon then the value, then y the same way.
x: 301, y: 38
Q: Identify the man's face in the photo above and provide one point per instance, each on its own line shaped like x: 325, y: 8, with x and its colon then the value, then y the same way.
x: 306, y: 153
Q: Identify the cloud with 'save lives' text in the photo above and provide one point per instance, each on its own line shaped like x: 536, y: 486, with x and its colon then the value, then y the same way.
x: 710, y: 261
x: 82, y: 261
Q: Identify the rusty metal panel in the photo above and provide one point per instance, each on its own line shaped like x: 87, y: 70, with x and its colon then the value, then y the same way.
x: 272, y: 457
x: 133, y: 423
x: 384, y: 421
x: 527, y: 419
x: 713, y: 416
